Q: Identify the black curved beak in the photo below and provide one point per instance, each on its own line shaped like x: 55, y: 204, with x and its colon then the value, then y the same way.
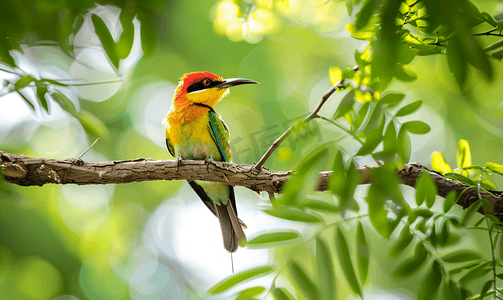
x: 234, y: 81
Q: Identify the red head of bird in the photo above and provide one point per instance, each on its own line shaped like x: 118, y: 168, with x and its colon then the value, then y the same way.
x: 202, y: 89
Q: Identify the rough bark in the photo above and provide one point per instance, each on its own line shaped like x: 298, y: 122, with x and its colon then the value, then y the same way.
x: 29, y: 171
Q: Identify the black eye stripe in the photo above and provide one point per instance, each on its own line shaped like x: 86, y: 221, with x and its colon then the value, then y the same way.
x: 197, y: 86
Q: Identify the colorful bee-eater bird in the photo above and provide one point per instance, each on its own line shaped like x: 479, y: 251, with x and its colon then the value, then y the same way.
x: 194, y: 130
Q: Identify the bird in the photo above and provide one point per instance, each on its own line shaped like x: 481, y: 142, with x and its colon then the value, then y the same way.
x: 194, y: 130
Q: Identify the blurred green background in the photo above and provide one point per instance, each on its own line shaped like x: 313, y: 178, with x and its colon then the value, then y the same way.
x: 154, y: 240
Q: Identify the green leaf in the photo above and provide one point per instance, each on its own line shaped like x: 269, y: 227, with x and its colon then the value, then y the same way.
x: 404, y: 240
x: 496, y: 45
x: 346, y: 196
x: 106, y: 39
x: 426, y: 190
x: 302, y: 280
x: 4, y: 51
x: 500, y: 246
x: 345, y: 106
x: 476, y: 273
x: 349, y: 7
x: 252, y: 292
x: 438, y: 163
x: 26, y: 99
x: 93, y: 124
x: 403, y: 145
x: 389, y: 140
x: 65, y: 103
x: 296, y: 182
x: 363, y: 17
x: 345, y: 261
x: 421, y: 226
x: 443, y: 237
x: 498, y: 54
x: 408, y: 109
x: 337, y: 182
x: 363, y: 58
x: 405, y: 53
x: 360, y: 35
x: 458, y: 64
x: 412, y: 265
x: 23, y: 82
x: 461, y: 256
x: 471, y: 168
x: 486, y: 184
x: 343, y: 183
x: 326, y: 270
x: 67, y: 18
x: 55, y: 82
x: 431, y: 283
x: 79, y: 22
x: 292, y: 215
x: 125, y: 43
x: 349, y: 73
x: 404, y: 73
x: 415, y: 43
x: 233, y: 280
x: 273, y: 239
x: 460, y: 178
x: 451, y: 291
x: 489, y: 19
x: 489, y: 216
x: 373, y: 139
x: 464, y: 267
x: 433, y: 235
x: 495, y: 167
x: 421, y: 212
x: 41, y: 91
x: 147, y: 34
x: 335, y: 75
x: 373, y: 120
x: 362, y: 115
x: 281, y: 294
x: 385, y: 187
x: 485, y: 289
x: 464, y: 156
x: 362, y: 253
x: 470, y: 212
x: 449, y: 201
x: 453, y: 219
x: 320, y: 205
x: 416, y: 127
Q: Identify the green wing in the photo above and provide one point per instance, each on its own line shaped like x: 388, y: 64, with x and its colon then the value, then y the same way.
x: 220, y: 135
x: 171, y: 149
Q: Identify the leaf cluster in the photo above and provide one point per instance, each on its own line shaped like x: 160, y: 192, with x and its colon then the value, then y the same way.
x: 397, y: 31
x: 57, y: 24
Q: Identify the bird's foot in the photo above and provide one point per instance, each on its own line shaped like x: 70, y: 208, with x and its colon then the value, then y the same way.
x: 178, y: 163
x: 208, y: 162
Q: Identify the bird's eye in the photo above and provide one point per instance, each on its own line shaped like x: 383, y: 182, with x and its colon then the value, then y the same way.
x: 206, y: 82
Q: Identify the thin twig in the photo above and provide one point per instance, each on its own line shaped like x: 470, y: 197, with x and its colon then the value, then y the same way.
x: 486, y: 33
x: 88, y: 149
x: 338, y: 85
x: 94, y: 83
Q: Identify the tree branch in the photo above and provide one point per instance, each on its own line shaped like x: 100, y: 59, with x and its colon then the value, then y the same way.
x: 29, y: 171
